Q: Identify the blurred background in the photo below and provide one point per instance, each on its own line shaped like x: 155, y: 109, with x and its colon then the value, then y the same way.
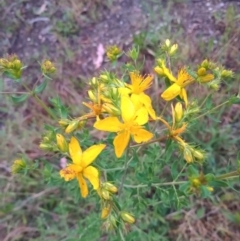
x: 74, y: 35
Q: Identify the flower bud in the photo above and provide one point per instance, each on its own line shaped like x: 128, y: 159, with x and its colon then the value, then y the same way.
x: 72, y: 126
x: 187, y: 154
x: 198, y: 154
x: 178, y: 112
x: 17, y: 64
x: 202, y: 71
x: 206, y: 78
x: 128, y: 218
x: 196, y: 182
x: 173, y: 49
x: 113, y: 52
x: 64, y: 122
x: 45, y: 147
x: 48, y: 67
x: 111, y: 109
x: 159, y: 70
x: 214, y: 86
x: 105, y: 194
x: 92, y: 96
x: 227, y: 74
x: 62, y: 143
x: 210, y: 189
x: 18, y: 166
x: 167, y: 43
x: 110, y: 187
x: 105, y: 212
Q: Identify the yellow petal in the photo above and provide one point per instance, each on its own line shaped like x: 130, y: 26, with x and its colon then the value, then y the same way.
x: 184, y: 78
x: 91, y: 154
x: 147, y: 102
x: 83, y: 185
x: 120, y: 142
x: 141, y: 116
x: 136, y: 80
x: 127, y: 109
x: 75, y: 151
x: 171, y: 92
x: 91, y: 173
x: 183, y: 95
x: 141, y: 135
x: 146, y: 83
x: 111, y: 124
x: 136, y: 99
x: 124, y: 91
x: 151, y: 112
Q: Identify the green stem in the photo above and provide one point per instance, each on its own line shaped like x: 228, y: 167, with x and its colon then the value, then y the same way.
x: 121, y: 235
x: 6, y: 92
x: 228, y: 175
x: 40, y: 102
x: 205, y: 99
x: 213, y: 109
x: 162, y: 138
x: 155, y: 184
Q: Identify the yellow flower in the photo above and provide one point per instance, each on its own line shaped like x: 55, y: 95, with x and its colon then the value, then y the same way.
x: 136, y: 89
x: 80, y: 168
x: 133, y: 119
x: 177, y: 88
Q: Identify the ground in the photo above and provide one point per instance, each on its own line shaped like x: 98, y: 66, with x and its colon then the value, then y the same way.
x: 74, y: 34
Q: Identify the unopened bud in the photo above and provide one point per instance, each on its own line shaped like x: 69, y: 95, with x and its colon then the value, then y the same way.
x: 210, y: 189
x: 72, y: 126
x: 159, y: 70
x: 187, y: 154
x: 110, y: 187
x: 92, y: 96
x: 62, y: 143
x: 105, y: 194
x: 105, y: 212
x: 18, y: 166
x: 178, y: 112
x: 46, y: 147
x: 202, y: 71
x: 167, y: 43
x: 48, y: 67
x: 214, y: 86
x: 128, y: 218
x: 173, y: 49
x: 227, y: 74
x: 198, y: 154
x: 206, y: 78
x: 64, y: 122
x: 196, y: 182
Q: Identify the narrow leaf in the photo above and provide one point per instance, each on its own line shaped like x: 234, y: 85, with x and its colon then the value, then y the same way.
x: 40, y: 88
x: 19, y: 98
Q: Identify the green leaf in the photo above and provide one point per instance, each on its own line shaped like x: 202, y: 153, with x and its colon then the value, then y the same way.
x: 184, y: 187
x: 40, y: 88
x: 19, y: 98
x: 192, y: 171
x: 200, y: 212
x: 205, y: 192
x: 174, y: 169
x: 234, y: 99
x: 218, y: 183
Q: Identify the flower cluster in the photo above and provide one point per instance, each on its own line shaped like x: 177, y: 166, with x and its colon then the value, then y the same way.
x: 124, y: 106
